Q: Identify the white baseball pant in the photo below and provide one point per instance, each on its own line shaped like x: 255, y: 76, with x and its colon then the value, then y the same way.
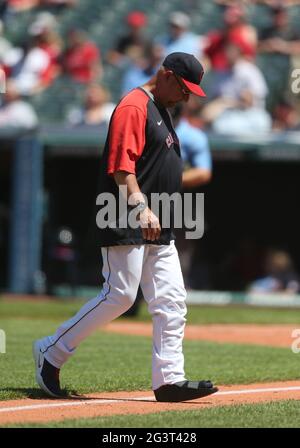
x: 157, y: 269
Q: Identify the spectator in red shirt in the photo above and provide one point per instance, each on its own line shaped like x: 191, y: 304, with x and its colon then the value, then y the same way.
x: 81, y: 60
x: 43, y: 29
x: 22, y: 5
x: 236, y: 30
x: 30, y: 68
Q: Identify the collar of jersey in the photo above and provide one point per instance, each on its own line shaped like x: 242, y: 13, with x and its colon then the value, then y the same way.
x: 148, y: 93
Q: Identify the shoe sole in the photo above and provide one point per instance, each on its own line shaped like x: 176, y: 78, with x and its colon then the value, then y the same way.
x: 180, y: 396
x: 36, y: 354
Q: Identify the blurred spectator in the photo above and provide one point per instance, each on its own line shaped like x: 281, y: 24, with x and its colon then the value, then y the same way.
x: 236, y: 29
x: 15, y: 112
x: 179, y: 38
x: 44, y: 30
x: 139, y: 73
x: 196, y: 156
x: 22, y: 5
x: 280, y: 275
x: 81, y: 60
x: 5, y: 45
x: 97, y: 108
x: 275, y: 3
x: 58, y: 3
x: 240, y: 265
x: 286, y: 117
x: 240, y: 104
x: 30, y: 68
x: 133, y: 43
x: 3, y: 8
x: 263, y: 2
x: 195, y: 151
x: 278, y: 44
x: 280, y: 37
x: 227, y: 2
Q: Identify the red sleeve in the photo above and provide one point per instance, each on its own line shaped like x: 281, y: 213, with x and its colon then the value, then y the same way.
x: 213, y: 42
x: 92, y: 53
x: 126, y: 139
x: 48, y: 75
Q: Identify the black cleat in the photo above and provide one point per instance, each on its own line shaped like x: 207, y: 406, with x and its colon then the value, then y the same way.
x: 184, y: 390
x: 47, y: 376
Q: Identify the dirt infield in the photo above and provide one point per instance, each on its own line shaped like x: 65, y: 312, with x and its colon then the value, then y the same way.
x: 118, y: 403
x: 270, y: 335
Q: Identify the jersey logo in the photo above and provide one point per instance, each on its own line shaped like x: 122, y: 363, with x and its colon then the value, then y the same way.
x: 169, y: 140
x: 159, y: 122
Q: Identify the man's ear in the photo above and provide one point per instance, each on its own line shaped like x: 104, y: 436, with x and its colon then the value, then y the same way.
x: 168, y: 73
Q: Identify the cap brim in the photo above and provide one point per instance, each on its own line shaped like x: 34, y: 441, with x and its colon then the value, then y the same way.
x: 194, y: 88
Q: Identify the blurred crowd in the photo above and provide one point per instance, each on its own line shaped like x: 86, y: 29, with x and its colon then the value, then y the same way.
x: 247, y: 81
x: 241, y: 98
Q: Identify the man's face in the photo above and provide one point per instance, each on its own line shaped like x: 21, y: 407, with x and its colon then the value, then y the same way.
x: 95, y: 96
x: 232, y: 15
x: 75, y: 38
x: 176, y: 31
x: 173, y: 90
x: 281, y: 19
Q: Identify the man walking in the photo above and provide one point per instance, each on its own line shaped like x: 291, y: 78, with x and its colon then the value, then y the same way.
x: 141, y: 157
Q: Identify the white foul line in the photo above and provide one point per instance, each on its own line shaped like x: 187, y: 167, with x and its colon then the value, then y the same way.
x: 71, y: 403
x: 254, y: 391
x: 150, y: 399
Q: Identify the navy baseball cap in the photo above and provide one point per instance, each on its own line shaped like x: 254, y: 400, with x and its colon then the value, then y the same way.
x: 188, y: 68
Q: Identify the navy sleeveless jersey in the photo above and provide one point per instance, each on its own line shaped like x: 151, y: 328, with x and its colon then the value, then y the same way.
x: 141, y: 140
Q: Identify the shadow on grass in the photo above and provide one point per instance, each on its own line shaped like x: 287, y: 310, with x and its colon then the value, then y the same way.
x: 38, y: 394
x: 33, y: 393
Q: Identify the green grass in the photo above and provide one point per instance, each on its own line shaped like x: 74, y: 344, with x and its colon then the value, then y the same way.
x: 45, y: 309
x: 283, y: 414
x: 236, y: 315
x: 63, y: 309
x: 112, y: 362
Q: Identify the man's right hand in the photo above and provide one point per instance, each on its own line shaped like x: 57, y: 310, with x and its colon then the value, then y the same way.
x: 150, y: 225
